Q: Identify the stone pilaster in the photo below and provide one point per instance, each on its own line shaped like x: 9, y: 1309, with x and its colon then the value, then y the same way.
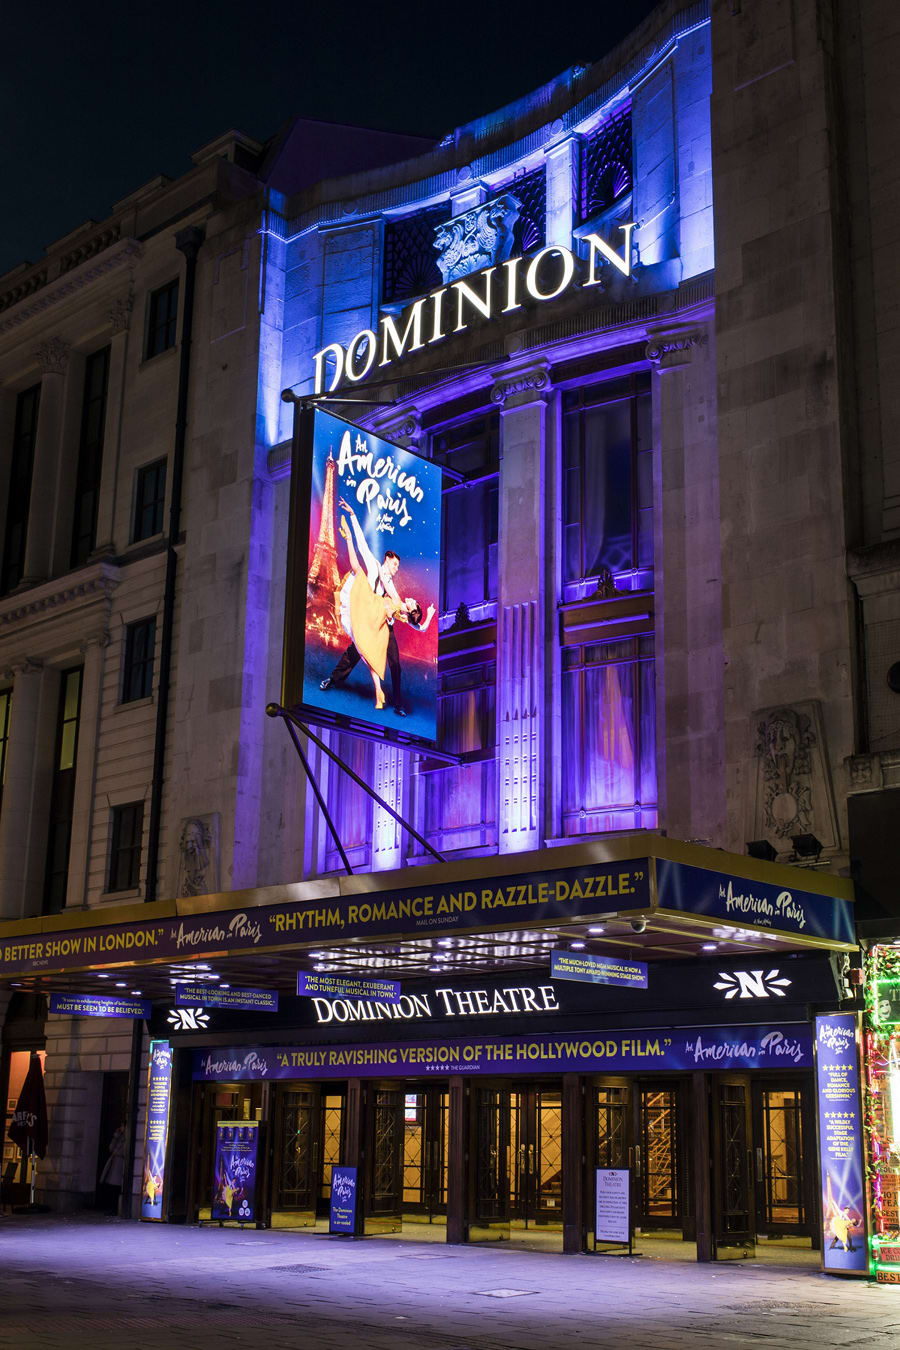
x: 522, y: 398
x: 389, y: 781
x: 562, y: 179
x: 689, y: 670
x: 53, y: 359
x: 18, y: 788
x: 106, y: 503
x: 85, y: 770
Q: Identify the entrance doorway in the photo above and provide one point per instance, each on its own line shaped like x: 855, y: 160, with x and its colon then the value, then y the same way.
x: 219, y: 1101
x: 517, y: 1181
x: 426, y: 1147
x: 640, y: 1124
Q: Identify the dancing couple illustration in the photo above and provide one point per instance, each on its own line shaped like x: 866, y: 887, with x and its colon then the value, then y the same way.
x: 368, y: 606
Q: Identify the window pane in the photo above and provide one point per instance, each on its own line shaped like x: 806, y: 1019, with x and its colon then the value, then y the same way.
x: 606, y: 523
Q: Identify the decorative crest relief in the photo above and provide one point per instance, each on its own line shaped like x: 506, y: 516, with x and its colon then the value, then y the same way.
x: 53, y: 356
x: 480, y: 238
x: 198, y: 868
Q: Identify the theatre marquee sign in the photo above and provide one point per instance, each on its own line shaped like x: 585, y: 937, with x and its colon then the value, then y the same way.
x: 489, y: 294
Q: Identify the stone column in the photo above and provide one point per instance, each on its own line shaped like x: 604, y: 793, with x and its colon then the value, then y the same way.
x: 18, y: 788
x: 85, y: 770
x: 390, y: 772
x: 562, y: 180
x: 688, y: 570
x: 119, y: 317
x: 53, y: 359
x: 522, y: 397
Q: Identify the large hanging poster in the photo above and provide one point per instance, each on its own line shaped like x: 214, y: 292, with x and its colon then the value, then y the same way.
x: 361, y: 639
x: 234, y: 1183
x: 159, y: 1088
x: 841, y: 1144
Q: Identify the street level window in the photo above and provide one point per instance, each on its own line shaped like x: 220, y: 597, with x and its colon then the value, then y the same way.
x: 62, y: 791
x: 162, y: 319
x: 469, y: 529
x: 19, y: 498
x: 90, y: 457
x: 140, y: 645
x: 149, y: 500
x: 607, y: 479
x: 5, y: 702
x: 608, y: 737
x: 125, y: 847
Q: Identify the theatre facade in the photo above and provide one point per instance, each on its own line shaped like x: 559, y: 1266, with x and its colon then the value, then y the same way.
x: 447, y: 944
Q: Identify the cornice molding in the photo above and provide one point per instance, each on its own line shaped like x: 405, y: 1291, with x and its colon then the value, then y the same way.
x: 53, y: 596
x: 121, y: 254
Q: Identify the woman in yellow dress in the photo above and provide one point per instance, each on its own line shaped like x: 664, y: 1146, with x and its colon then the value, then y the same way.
x: 363, y: 615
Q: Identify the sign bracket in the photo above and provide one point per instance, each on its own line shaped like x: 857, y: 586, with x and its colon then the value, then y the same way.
x: 294, y: 723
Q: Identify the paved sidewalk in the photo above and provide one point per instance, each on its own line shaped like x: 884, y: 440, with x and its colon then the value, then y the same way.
x: 68, y: 1282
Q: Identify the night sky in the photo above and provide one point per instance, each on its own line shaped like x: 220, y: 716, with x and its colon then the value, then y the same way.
x: 96, y: 99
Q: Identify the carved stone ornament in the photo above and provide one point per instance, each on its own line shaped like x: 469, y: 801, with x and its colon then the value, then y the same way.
x: 198, y: 849
x: 673, y: 349
x: 794, y: 792
x: 120, y: 312
x: 529, y: 380
x: 865, y: 773
x: 479, y: 238
x: 53, y: 356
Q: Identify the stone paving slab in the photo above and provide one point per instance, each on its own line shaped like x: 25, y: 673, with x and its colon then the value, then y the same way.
x: 68, y: 1282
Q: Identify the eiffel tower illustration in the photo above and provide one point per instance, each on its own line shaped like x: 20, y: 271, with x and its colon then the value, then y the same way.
x: 324, y: 575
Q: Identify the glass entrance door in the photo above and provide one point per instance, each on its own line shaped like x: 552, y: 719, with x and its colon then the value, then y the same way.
x: 656, y: 1156
x: 785, y: 1188
x: 297, y: 1156
x: 518, y: 1161
x: 219, y: 1101
x: 426, y: 1141
x: 384, y: 1213
x: 734, y: 1226
x: 490, y: 1156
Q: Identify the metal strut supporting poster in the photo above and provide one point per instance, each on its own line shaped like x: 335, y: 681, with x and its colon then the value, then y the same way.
x: 234, y: 1182
x: 361, y: 634
x: 158, y: 1093
x: 841, y: 1144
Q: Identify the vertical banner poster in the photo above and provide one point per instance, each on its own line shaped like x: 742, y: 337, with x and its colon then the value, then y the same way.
x: 840, y: 1144
x: 234, y: 1180
x: 343, y: 1200
x: 159, y: 1089
x: 363, y: 583
x: 612, y: 1221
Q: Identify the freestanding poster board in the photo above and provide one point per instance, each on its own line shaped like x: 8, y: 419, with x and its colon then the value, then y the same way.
x: 845, y: 1249
x: 343, y: 1200
x: 612, y: 1219
x: 234, y: 1182
x: 159, y: 1087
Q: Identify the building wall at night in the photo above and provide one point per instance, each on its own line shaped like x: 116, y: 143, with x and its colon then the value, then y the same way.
x: 678, y: 555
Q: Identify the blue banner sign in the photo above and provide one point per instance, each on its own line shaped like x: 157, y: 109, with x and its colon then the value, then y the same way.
x: 741, y: 903
x: 590, y: 968
x: 213, y: 996
x: 841, y: 1144
x: 784, y: 1046
x: 347, y: 986
x: 343, y: 1200
x: 156, y: 1138
x: 95, y: 1005
x: 234, y: 1182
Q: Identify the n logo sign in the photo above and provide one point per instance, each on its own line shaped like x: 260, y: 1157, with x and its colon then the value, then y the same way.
x: 752, y: 984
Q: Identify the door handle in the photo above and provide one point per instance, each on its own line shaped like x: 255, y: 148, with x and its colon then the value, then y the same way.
x: 531, y: 1159
x: 759, y: 1165
x: 637, y: 1160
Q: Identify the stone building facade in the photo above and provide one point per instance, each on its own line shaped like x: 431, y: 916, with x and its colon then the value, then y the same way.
x: 670, y: 598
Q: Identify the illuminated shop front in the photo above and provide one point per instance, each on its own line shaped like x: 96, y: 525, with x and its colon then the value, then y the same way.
x: 882, y: 1108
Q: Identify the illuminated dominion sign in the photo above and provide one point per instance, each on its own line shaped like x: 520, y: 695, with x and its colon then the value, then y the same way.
x: 488, y: 294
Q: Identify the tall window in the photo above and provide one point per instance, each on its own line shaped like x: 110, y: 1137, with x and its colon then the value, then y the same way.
x: 90, y: 456
x: 20, y: 474
x: 608, y: 501
x: 608, y: 729
x: 140, y: 649
x: 5, y: 702
x: 469, y: 511
x: 461, y: 803
x: 349, y: 807
x: 162, y: 319
x: 125, y: 849
x: 62, y: 793
x: 149, y: 500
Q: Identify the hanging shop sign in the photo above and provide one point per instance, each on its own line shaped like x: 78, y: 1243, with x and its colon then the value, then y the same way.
x: 734, y: 1047
x: 591, y: 968
x: 95, y: 1005
x: 345, y: 988
x: 435, y: 910
x: 363, y: 582
x: 484, y: 296
x: 753, y: 904
x: 841, y: 1144
x: 156, y: 1137
x: 214, y: 996
x: 612, y: 1219
x: 343, y: 1200
x: 234, y: 1179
